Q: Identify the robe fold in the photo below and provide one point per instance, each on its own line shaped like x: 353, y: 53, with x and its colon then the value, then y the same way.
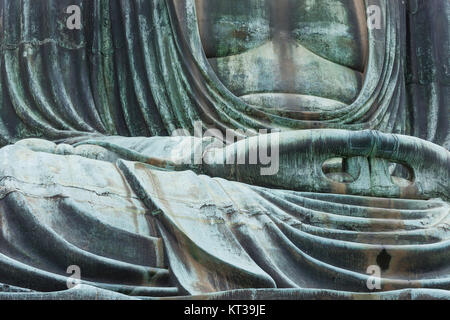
x: 113, y: 203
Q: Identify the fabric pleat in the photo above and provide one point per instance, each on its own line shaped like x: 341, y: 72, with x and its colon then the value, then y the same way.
x: 137, y: 68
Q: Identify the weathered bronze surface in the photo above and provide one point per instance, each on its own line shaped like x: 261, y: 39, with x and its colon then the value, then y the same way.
x: 355, y: 115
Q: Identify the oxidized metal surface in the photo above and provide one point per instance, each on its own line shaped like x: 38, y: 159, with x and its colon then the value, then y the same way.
x: 90, y: 176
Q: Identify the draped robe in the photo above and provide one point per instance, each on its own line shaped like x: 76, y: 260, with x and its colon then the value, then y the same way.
x: 102, y: 200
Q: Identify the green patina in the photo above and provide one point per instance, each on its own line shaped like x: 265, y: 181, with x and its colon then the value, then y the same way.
x: 358, y: 119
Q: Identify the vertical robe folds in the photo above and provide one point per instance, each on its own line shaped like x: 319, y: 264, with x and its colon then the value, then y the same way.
x: 137, y: 68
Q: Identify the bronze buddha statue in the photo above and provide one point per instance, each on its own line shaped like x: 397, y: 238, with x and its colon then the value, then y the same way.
x: 93, y: 178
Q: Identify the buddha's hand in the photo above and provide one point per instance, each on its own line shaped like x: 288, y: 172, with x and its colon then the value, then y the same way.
x: 84, y: 150
x: 337, y: 161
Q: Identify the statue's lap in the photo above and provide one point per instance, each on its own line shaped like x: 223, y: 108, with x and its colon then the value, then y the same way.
x: 268, y: 237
